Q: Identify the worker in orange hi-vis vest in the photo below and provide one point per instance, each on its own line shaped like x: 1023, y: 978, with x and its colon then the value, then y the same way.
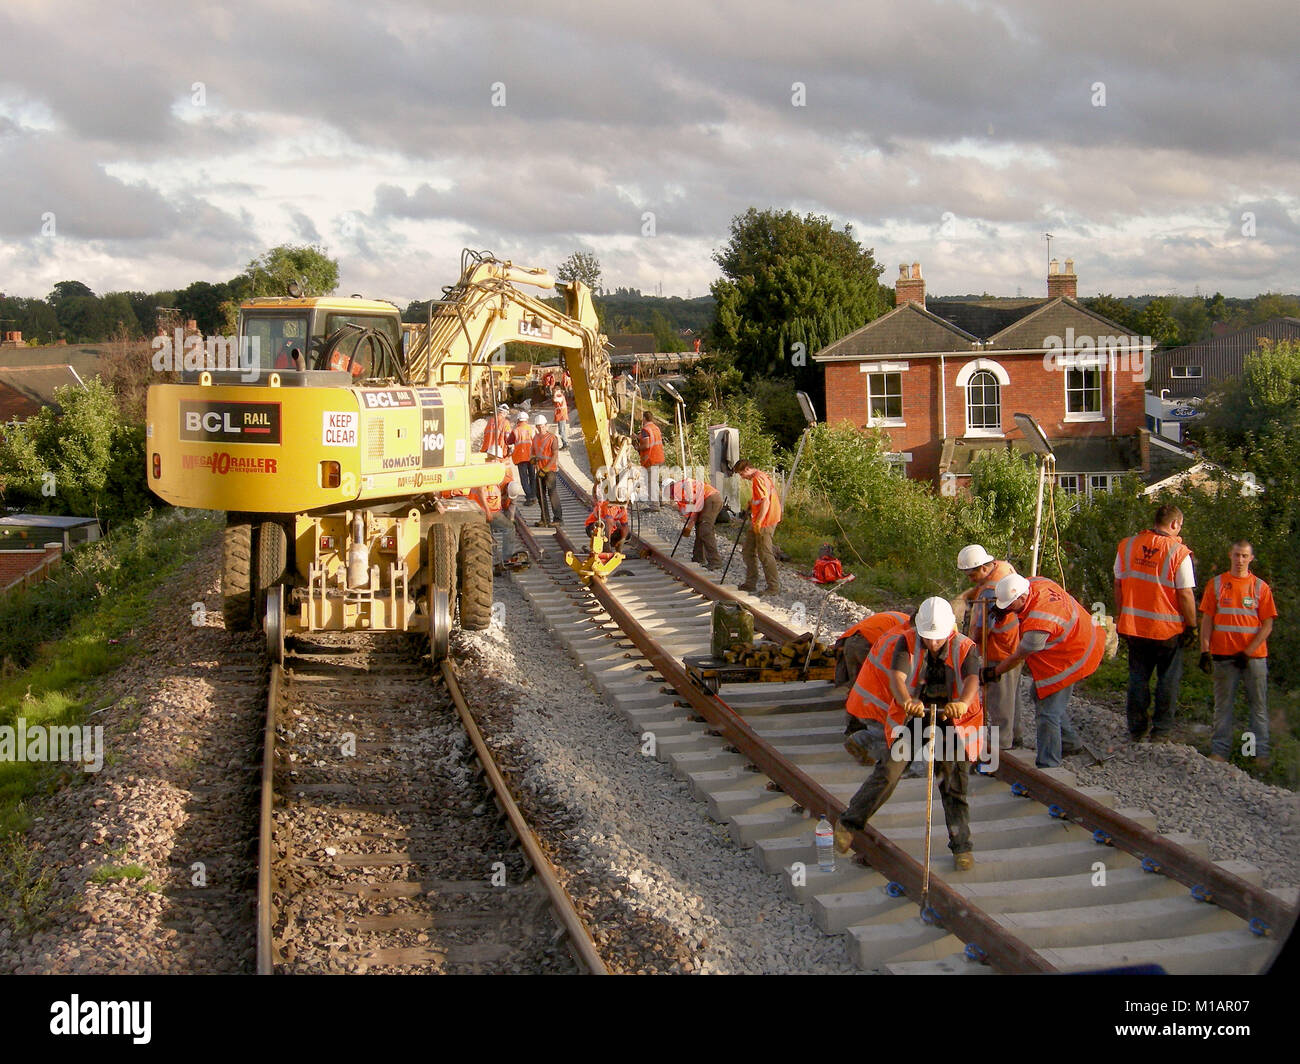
x: 700, y: 503
x: 650, y: 445
x: 1155, y: 611
x: 561, y: 417
x: 495, y: 432
x: 520, y: 443
x: 494, y: 501
x: 1062, y: 646
x: 546, y: 462
x: 765, y: 515
x: 1238, y: 611
x: 912, y: 667
x: 864, y: 739
x: 615, y: 519
x: 995, y: 636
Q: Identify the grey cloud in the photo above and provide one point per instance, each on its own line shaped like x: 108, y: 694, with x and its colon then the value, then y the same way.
x: 304, y: 226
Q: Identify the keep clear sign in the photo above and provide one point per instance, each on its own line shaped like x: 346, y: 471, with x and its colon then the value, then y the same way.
x: 340, y: 429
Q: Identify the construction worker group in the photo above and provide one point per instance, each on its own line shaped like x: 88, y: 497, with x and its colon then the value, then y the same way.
x: 903, y: 666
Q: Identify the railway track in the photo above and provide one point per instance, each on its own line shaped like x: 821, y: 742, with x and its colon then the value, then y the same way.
x: 1063, y: 880
x: 389, y: 841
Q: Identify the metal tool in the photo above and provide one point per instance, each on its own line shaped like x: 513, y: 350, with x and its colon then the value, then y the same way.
x: 723, y: 577
x: 830, y: 586
x: 929, y: 807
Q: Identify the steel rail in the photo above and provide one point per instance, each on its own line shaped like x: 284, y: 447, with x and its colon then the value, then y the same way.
x: 265, y: 910
x: 955, y: 913
x: 581, y: 944
x: 1228, y: 891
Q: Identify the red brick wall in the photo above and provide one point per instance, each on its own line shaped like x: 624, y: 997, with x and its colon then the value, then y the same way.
x: 1033, y: 390
x: 17, y: 563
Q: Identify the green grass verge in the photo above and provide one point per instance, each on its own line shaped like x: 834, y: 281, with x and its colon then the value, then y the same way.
x: 97, y: 596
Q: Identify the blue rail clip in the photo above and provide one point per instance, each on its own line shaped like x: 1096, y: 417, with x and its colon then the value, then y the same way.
x: 1103, y: 838
x: 1020, y: 790
x: 1150, y: 865
x: 974, y: 953
x: 1055, y: 812
x: 1202, y: 893
x: 929, y: 916
x: 895, y: 890
x: 1259, y: 927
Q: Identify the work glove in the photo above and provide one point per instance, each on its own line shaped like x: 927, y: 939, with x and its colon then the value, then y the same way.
x: 1188, y: 638
x: 913, y: 708
x: 989, y: 674
x: 954, y: 710
x: 1206, y: 664
x: 1240, y: 659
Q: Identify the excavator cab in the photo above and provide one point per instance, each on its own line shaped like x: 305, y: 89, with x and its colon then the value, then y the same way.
x: 358, y: 340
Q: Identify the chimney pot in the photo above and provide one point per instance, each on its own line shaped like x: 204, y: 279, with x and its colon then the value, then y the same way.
x: 910, y: 288
x: 1062, y: 284
x: 916, y: 271
x: 902, y: 270
x: 1053, y: 268
x: 1069, y: 267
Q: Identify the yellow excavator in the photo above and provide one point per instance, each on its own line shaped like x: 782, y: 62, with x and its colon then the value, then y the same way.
x: 338, y: 447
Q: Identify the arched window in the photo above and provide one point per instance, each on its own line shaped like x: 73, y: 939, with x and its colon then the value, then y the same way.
x: 983, y: 380
x: 983, y: 403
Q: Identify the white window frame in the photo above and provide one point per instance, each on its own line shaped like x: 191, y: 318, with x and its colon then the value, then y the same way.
x: 885, y: 370
x: 1075, y: 489
x: 1187, y: 372
x: 964, y: 375
x: 984, y: 432
x: 1082, y: 366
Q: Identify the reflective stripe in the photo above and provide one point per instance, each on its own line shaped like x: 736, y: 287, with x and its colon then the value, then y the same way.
x: 1235, y: 628
x: 867, y: 696
x: 1073, y: 668
x: 1133, y: 611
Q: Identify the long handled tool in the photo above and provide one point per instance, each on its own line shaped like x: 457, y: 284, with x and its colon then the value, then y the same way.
x: 723, y: 577
x: 828, y: 587
x: 679, y: 540
x: 929, y: 808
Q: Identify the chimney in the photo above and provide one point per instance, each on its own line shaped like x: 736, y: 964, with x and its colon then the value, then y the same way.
x: 909, y: 288
x: 1144, y: 450
x: 1062, y: 284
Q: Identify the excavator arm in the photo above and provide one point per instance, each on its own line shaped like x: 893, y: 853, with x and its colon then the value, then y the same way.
x: 485, y: 309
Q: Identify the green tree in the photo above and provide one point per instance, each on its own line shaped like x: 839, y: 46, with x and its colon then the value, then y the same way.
x: 786, y: 281
x: 84, y: 460
x: 666, y: 338
x: 1114, y: 309
x: 271, y: 273
x: 1156, y: 322
x: 202, y: 302
x: 581, y: 266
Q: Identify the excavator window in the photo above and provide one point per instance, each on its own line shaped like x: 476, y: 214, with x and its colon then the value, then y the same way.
x: 280, y: 340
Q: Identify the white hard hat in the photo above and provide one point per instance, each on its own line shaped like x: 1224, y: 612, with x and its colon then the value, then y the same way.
x: 934, y: 620
x: 503, y: 409
x: 1010, y: 588
x: 520, y: 417
x: 539, y: 420
x: 973, y: 557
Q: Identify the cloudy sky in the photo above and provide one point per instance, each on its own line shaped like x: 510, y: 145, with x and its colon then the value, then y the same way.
x: 146, y: 145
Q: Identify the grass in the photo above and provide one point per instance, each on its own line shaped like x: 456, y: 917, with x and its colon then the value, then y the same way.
x: 99, y: 599
x: 111, y: 873
x: 25, y: 886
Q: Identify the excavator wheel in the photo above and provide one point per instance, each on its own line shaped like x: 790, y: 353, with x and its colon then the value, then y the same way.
x: 272, y: 562
x: 442, y: 558
x: 236, y: 554
x: 475, y: 598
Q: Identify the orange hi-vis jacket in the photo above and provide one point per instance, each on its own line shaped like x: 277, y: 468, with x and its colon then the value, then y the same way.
x: 494, y: 432
x: 545, y: 453
x: 492, y: 498
x: 521, y: 443
x: 652, y: 444
x: 691, y: 495
x: 561, y: 409
x: 761, y: 487
x: 1148, y: 606
x: 872, y: 699
x: 873, y: 627
x: 612, y: 513
x: 1237, y: 606
x: 1003, y: 635
x: 1074, y: 644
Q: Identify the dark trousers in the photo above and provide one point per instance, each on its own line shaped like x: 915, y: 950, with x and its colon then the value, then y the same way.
x: 1144, y: 657
x: 851, y: 657
x: 952, y: 775
x: 527, y: 480
x: 706, y: 543
x: 548, y: 495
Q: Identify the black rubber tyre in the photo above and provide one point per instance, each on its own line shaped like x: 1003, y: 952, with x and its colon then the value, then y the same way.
x: 442, y: 558
x: 236, y: 594
x: 272, y: 563
x: 475, y: 597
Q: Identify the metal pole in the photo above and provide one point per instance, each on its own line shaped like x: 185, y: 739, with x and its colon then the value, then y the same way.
x: 929, y: 808
x: 743, y: 523
x: 1038, y: 513
x: 790, y: 480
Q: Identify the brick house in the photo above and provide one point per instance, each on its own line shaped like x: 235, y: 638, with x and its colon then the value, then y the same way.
x: 944, y: 380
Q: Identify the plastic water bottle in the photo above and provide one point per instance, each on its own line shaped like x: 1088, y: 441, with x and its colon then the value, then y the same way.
x: 825, y: 836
